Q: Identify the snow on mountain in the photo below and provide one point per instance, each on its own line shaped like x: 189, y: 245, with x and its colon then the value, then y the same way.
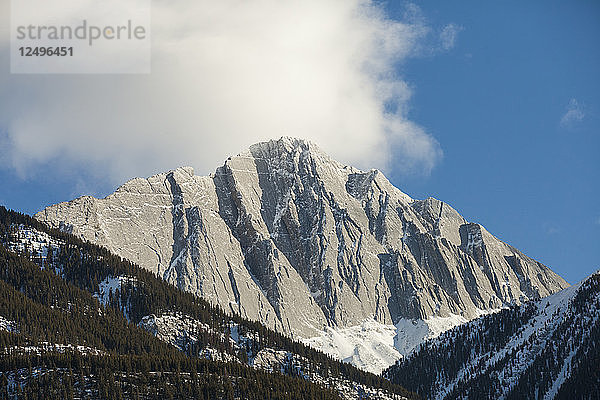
x: 537, y: 350
x: 46, y: 347
x: 38, y: 244
x: 373, y: 347
x: 284, y: 235
x: 369, y: 346
x: 90, y: 271
x: 183, y: 331
x: 7, y: 325
x: 550, y: 312
x: 111, y: 285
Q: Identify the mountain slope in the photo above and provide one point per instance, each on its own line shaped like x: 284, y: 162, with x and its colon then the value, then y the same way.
x: 79, y: 300
x: 63, y: 344
x: 284, y: 235
x: 547, y: 349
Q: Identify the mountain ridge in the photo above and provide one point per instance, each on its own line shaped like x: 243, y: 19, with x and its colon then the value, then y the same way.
x: 283, y: 234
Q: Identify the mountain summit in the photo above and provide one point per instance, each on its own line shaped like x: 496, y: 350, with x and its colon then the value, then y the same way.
x: 283, y: 234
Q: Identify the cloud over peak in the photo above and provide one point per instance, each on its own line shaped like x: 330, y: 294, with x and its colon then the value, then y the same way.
x: 226, y: 74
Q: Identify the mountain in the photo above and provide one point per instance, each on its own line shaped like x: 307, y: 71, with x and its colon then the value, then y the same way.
x: 339, y: 257
x: 545, y: 349
x: 77, y: 321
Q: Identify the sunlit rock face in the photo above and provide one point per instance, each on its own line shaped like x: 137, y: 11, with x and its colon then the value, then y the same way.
x: 283, y: 234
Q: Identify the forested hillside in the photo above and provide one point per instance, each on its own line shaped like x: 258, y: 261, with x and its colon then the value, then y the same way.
x: 77, y: 320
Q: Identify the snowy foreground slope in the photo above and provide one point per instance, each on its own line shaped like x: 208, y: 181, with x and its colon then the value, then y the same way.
x: 547, y: 349
x: 284, y: 235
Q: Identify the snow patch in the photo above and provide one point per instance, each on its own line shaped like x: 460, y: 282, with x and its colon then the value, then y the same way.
x: 182, y: 331
x: 7, y: 325
x: 46, y: 347
x: 411, y: 333
x: 176, y: 329
x: 368, y: 346
x: 34, y: 241
x: 372, y: 346
x: 111, y: 285
x: 36, y: 244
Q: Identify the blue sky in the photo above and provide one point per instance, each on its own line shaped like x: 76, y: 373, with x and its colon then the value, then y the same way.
x: 495, y: 104
x: 514, y: 103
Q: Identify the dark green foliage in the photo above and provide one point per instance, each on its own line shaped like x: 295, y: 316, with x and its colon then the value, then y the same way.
x: 59, y: 376
x: 61, y: 309
x: 48, y: 309
x: 446, y: 356
x: 584, y: 380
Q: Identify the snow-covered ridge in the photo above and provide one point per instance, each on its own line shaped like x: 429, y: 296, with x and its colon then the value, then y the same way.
x: 550, y: 313
x: 34, y: 242
x: 529, y: 351
x: 41, y: 248
x: 37, y: 243
x: 412, y: 333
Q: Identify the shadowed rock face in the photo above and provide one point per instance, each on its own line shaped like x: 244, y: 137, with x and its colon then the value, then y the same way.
x: 285, y: 235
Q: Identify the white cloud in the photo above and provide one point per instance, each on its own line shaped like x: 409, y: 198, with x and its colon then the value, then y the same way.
x: 449, y: 35
x: 226, y: 74
x: 573, y: 114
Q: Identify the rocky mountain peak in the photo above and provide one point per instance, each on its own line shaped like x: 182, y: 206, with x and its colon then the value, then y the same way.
x: 284, y: 144
x: 283, y: 234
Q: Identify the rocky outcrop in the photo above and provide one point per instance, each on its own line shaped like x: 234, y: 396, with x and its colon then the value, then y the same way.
x: 285, y: 235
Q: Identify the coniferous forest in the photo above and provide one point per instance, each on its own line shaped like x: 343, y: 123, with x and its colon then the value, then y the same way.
x: 60, y: 338
x: 65, y: 343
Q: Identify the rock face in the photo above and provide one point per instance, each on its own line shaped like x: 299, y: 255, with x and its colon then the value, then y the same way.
x: 285, y: 235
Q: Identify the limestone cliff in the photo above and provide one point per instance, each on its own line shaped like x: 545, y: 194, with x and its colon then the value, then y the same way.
x: 285, y: 235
